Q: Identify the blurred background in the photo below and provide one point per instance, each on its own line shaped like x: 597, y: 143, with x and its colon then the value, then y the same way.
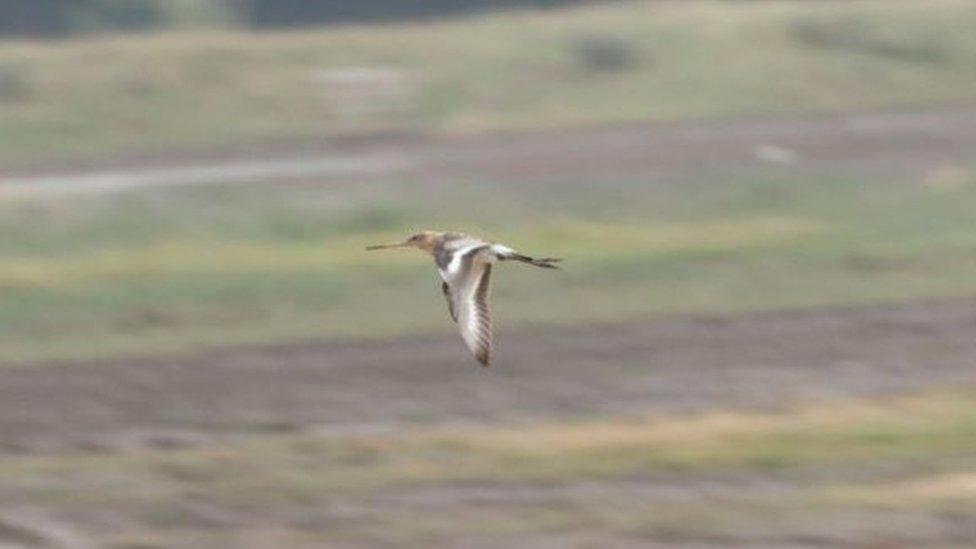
x: 763, y: 335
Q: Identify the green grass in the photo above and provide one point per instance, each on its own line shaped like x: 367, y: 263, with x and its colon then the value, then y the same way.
x: 619, y: 62
x: 812, y: 467
x: 176, y: 269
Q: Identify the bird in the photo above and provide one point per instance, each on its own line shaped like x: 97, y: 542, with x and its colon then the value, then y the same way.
x: 465, y: 265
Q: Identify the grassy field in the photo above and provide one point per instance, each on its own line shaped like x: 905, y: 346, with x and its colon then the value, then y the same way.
x: 171, y: 269
x: 310, y: 448
x: 628, y: 61
x: 832, y: 473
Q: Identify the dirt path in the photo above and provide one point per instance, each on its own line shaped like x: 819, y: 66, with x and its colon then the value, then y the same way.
x: 668, y: 366
x: 886, y: 142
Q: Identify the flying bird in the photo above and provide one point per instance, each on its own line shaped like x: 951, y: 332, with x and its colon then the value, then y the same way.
x: 465, y: 264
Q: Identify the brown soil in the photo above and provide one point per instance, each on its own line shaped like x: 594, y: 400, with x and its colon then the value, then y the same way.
x: 666, y: 367
x: 887, y: 143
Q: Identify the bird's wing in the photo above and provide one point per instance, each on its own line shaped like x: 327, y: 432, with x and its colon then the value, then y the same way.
x: 454, y: 258
x: 470, y: 298
x: 454, y: 263
x: 446, y: 288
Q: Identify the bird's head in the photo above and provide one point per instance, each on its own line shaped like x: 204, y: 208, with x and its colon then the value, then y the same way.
x: 424, y: 240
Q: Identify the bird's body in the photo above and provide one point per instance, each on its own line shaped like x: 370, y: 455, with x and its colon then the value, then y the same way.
x: 465, y: 265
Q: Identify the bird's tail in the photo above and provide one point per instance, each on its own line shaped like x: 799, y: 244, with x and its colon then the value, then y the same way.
x: 544, y: 262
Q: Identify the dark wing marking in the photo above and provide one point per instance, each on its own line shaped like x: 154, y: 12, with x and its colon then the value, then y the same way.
x: 443, y: 258
x: 450, y: 300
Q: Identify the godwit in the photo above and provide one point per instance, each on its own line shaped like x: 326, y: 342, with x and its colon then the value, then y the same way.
x: 465, y: 266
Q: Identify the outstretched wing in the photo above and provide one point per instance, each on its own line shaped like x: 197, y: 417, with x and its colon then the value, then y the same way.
x: 470, y: 297
x: 454, y: 262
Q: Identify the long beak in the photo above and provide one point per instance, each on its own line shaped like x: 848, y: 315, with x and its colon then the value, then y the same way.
x: 387, y: 246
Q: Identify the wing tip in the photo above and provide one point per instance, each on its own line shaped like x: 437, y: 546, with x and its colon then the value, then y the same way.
x: 484, y: 358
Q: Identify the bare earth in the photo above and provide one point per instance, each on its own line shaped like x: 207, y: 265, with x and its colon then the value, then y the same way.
x: 667, y: 367
x: 886, y: 143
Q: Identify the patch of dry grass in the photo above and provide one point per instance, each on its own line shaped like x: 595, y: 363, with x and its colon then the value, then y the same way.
x: 509, y: 71
x: 945, y: 489
x: 720, y: 474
